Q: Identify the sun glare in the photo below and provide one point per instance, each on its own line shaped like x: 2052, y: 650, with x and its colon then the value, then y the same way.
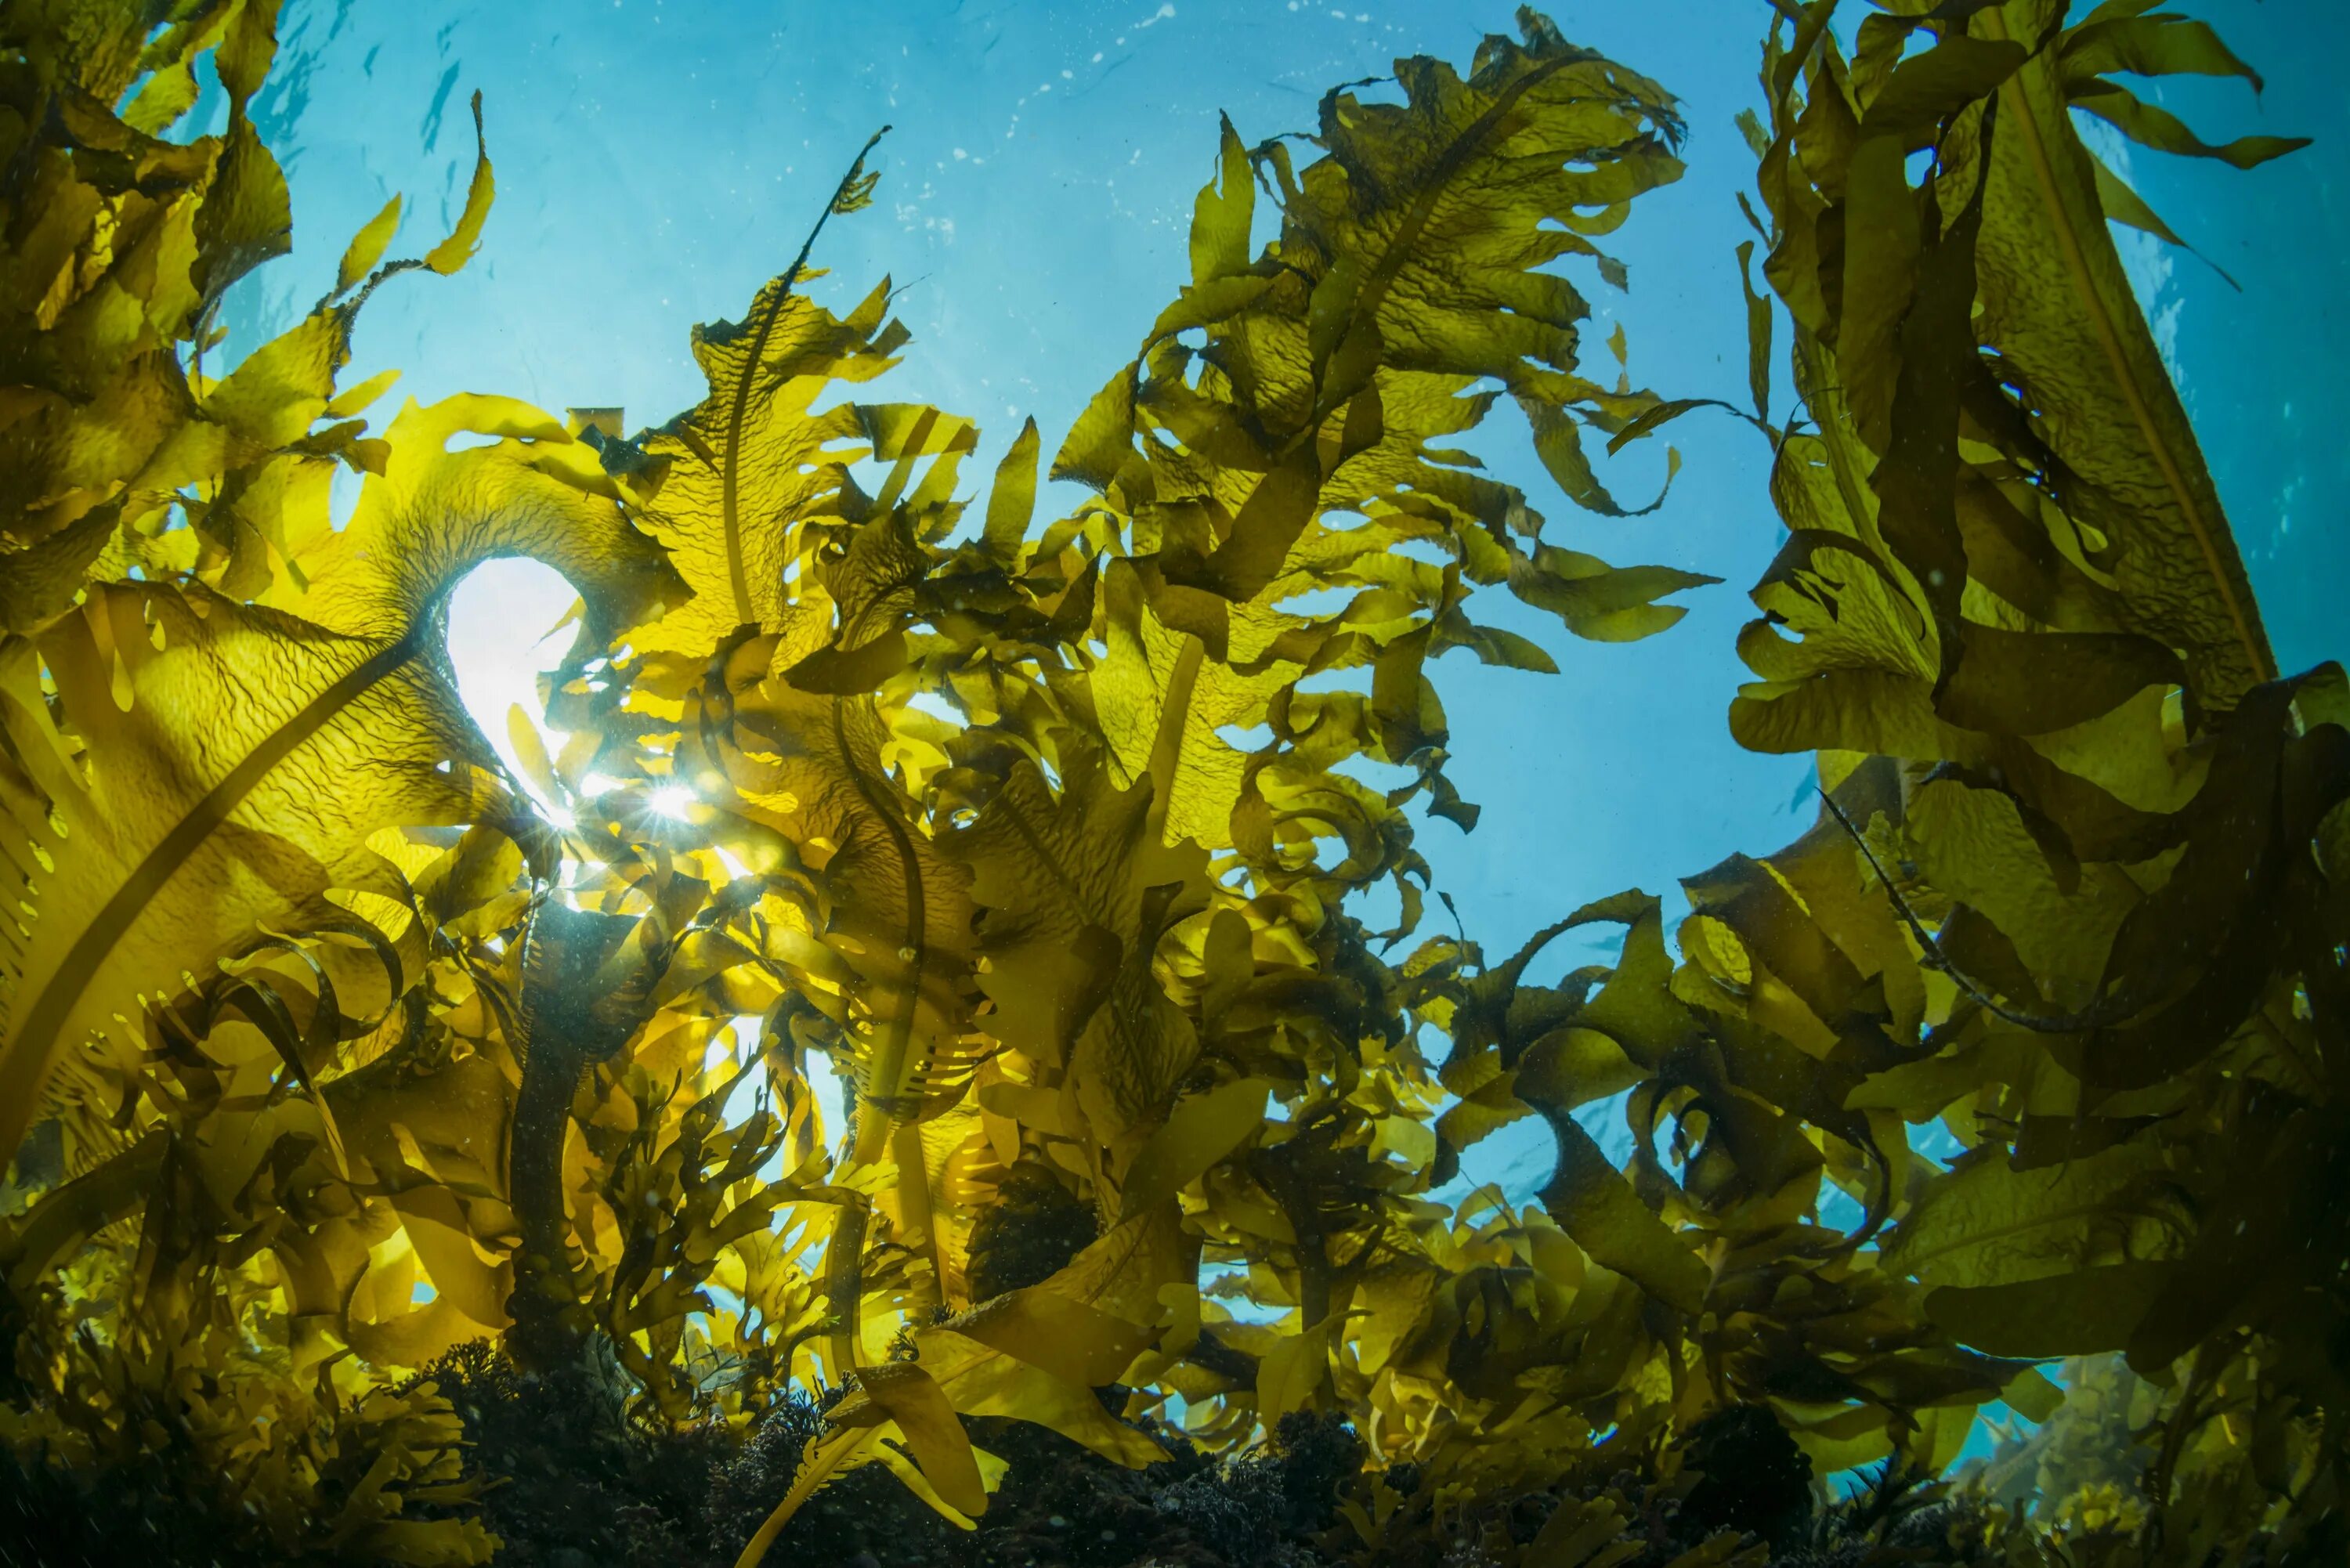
x: 672, y: 801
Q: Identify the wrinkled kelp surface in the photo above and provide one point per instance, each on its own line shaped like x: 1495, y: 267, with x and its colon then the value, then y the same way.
x: 385, y: 1188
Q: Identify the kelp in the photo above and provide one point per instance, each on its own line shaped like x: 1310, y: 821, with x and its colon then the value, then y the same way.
x: 329, y: 1049
x: 2105, y: 825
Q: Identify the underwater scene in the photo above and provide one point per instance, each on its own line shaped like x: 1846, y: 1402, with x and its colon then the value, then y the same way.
x: 1174, y: 784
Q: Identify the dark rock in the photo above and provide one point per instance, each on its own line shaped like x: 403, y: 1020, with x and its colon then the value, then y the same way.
x: 1753, y: 1477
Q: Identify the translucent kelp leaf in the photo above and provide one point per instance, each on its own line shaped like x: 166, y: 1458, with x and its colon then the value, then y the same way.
x: 176, y: 829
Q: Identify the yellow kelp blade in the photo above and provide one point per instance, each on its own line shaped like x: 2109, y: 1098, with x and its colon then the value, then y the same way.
x: 1076, y: 891
x: 757, y: 457
x: 175, y: 832
x: 1036, y: 1354
x: 1310, y: 440
x: 219, y: 767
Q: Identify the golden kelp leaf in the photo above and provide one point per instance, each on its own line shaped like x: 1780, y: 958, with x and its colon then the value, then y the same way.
x: 1200, y: 1131
x: 1306, y: 443
x: 246, y: 217
x: 2201, y: 948
x: 2271, y: 1235
x: 248, y: 45
x: 233, y: 760
x: 2015, y: 204
x: 358, y: 400
x: 170, y: 88
x: 43, y: 578
x: 33, y: 1245
x: 1758, y: 336
x: 1987, y: 1225
x: 367, y: 246
x: 2058, y: 309
x: 855, y: 192
x: 2051, y: 614
x: 837, y: 672
x: 1056, y: 1333
x: 756, y: 458
x: 1442, y: 198
x: 1593, y: 1204
x: 530, y: 753
x: 820, y: 1462
x: 458, y: 249
x: 435, y: 512
x: 411, y: 1341
x: 1603, y: 603
x: 1635, y: 1008
x: 2125, y: 205
x: 1976, y: 845
x: 2163, y: 44
x: 811, y: 768
x: 1291, y: 1373
x: 105, y: 303
x: 1010, y: 1385
x: 2034, y: 683
x: 443, y: 1236
x: 1118, y: 1276
x: 113, y: 911
x: 1039, y: 1353
x: 806, y: 772
x: 911, y: 1398
x: 1012, y: 499
x: 926, y: 797
x: 1076, y: 890
x: 1153, y: 685
x: 2080, y: 1312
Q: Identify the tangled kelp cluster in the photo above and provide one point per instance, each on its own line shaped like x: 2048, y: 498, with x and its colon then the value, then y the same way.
x: 328, y: 1050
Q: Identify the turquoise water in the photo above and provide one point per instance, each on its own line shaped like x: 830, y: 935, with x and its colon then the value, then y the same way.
x: 657, y: 161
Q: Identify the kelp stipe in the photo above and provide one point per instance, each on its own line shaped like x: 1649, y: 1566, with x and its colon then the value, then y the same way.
x: 349, y: 1062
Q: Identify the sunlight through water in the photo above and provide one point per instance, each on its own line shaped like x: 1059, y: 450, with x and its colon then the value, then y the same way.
x: 502, y: 635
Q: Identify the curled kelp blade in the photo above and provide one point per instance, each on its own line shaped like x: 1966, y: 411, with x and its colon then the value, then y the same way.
x: 227, y: 762
x: 1309, y: 438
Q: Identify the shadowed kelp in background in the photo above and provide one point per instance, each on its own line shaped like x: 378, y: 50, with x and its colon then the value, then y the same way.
x: 330, y: 1058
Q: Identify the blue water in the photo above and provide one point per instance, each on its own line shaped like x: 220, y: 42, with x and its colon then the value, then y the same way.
x: 656, y: 162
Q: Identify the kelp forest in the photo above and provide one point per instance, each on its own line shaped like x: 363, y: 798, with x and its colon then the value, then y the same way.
x: 382, y: 1188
